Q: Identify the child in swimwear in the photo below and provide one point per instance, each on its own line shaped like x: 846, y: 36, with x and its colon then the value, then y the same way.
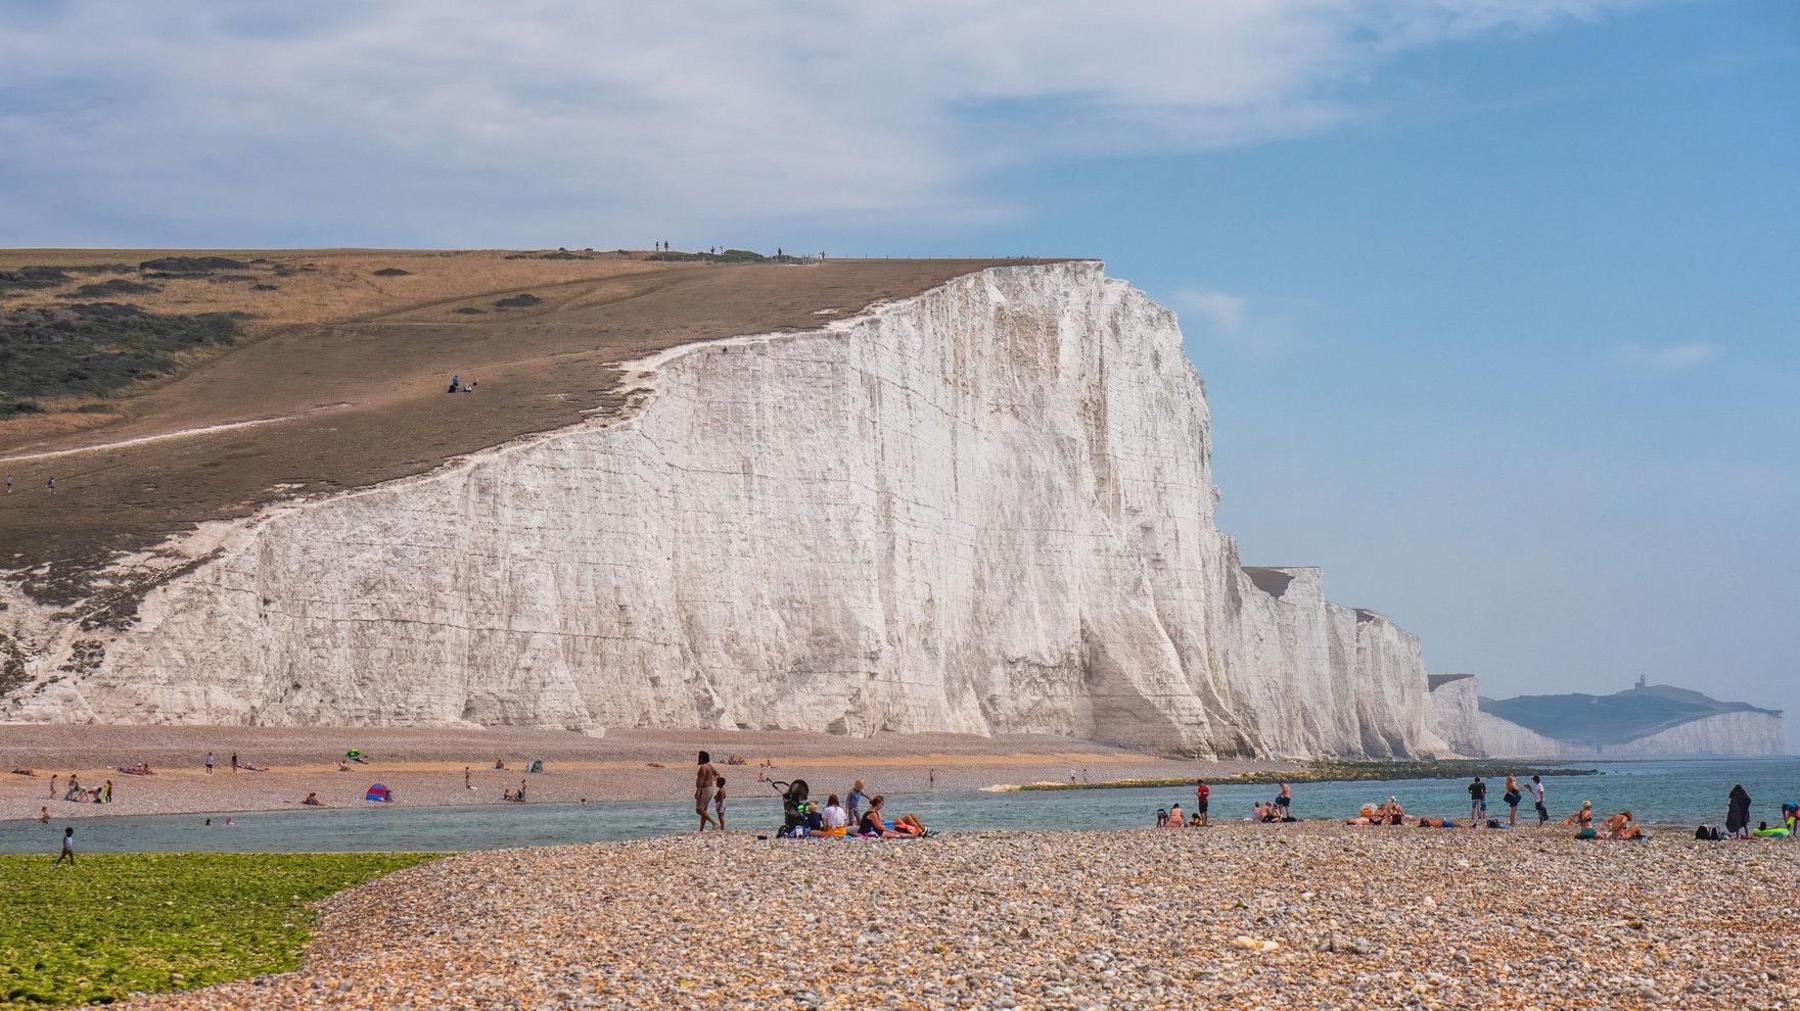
x: 719, y: 801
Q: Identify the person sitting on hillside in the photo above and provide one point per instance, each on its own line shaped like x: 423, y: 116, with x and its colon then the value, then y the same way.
x: 1583, y: 818
x: 312, y: 800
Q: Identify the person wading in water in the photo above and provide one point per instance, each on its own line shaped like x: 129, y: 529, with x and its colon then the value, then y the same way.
x: 706, y: 779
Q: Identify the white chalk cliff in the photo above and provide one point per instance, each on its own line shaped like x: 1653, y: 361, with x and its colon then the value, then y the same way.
x: 985, y: 509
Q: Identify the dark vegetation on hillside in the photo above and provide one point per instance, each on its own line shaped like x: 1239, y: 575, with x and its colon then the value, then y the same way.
x: 115, y: 286
x: 728, y: 256
x: 392, y: 272
x: 1612, y: 719
x: 189, y: 266
x: 96, y: 348
x: 524, y: 301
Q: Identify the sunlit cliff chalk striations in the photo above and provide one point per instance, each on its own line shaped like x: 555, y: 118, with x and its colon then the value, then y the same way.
x: 988, y: 508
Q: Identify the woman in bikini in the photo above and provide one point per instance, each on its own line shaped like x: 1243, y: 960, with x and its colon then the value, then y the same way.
x: 1583, y: 818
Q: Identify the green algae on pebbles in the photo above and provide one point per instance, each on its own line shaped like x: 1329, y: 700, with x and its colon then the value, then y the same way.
x: 1238, y: 915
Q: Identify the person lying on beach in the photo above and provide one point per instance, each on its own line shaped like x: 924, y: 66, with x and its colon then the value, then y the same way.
x: 247, y: 767
x: 909, y: 824
x: 872, y: 823
x: 312, y: 800
x: 1619, y: 826
x: 1437, y: 823
x: 140, y: 769
x: 1583, y: 818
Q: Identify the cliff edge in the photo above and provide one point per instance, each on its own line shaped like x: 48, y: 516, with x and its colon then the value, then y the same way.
x: 984, y: 508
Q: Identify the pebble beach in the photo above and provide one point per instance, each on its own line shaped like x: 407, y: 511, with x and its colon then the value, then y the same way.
x: 1233, y: 916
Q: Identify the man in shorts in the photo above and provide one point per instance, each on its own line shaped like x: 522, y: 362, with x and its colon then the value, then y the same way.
x: 1202, y: 794
x: 1285, y: 801
x: 706, y: 779
x: 1477, y: 803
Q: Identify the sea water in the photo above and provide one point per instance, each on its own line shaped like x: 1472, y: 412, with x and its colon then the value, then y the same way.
x: 1671, y: 793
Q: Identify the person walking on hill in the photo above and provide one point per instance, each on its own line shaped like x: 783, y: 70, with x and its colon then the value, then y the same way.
x: 1477, y: 803
x: 52, y: 485
x: 209, y: 763
x: 706, y: 780
x: 53, y: 778
x: 1537, y: 797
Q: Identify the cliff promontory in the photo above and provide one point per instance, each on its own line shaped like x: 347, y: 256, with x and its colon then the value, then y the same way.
x: 984, y: 508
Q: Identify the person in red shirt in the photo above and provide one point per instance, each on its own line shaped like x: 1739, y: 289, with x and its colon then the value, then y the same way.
x: 1202, y: 793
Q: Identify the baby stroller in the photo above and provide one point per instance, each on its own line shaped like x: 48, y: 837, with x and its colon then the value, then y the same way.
x: 795, y: 808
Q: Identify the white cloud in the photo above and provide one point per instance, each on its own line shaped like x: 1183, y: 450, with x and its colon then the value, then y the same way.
x: 1221, y: 310
x: 443, y: 120
x: 1261, y: 326
x: 1669, y: 358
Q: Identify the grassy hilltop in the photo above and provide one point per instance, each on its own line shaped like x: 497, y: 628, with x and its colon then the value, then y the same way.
x: 162, y: 388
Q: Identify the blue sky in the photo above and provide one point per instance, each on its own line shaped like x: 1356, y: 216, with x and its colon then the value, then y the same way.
x: 1496, y: 301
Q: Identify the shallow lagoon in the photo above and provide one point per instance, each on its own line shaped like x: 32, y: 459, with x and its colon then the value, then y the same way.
x: 1678, y: 793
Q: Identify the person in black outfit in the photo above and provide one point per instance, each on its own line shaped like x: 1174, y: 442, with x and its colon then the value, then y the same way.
x: 1737, y: 815
x: 1477, y: 802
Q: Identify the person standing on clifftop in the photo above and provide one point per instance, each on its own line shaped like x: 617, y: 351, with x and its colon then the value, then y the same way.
x: 706, y: 779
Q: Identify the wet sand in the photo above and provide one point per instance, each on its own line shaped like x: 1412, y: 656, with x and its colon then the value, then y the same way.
x: 425, y: 767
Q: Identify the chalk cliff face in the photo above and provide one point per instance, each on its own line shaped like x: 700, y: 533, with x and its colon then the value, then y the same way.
x: 1455, y: 711
x: 1726, y: 734
x: 985, y: 509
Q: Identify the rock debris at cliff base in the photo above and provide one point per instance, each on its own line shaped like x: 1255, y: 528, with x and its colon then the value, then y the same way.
x: 1298, y: 916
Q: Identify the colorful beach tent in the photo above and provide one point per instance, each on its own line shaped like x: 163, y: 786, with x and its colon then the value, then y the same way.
x: 378, y: 792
